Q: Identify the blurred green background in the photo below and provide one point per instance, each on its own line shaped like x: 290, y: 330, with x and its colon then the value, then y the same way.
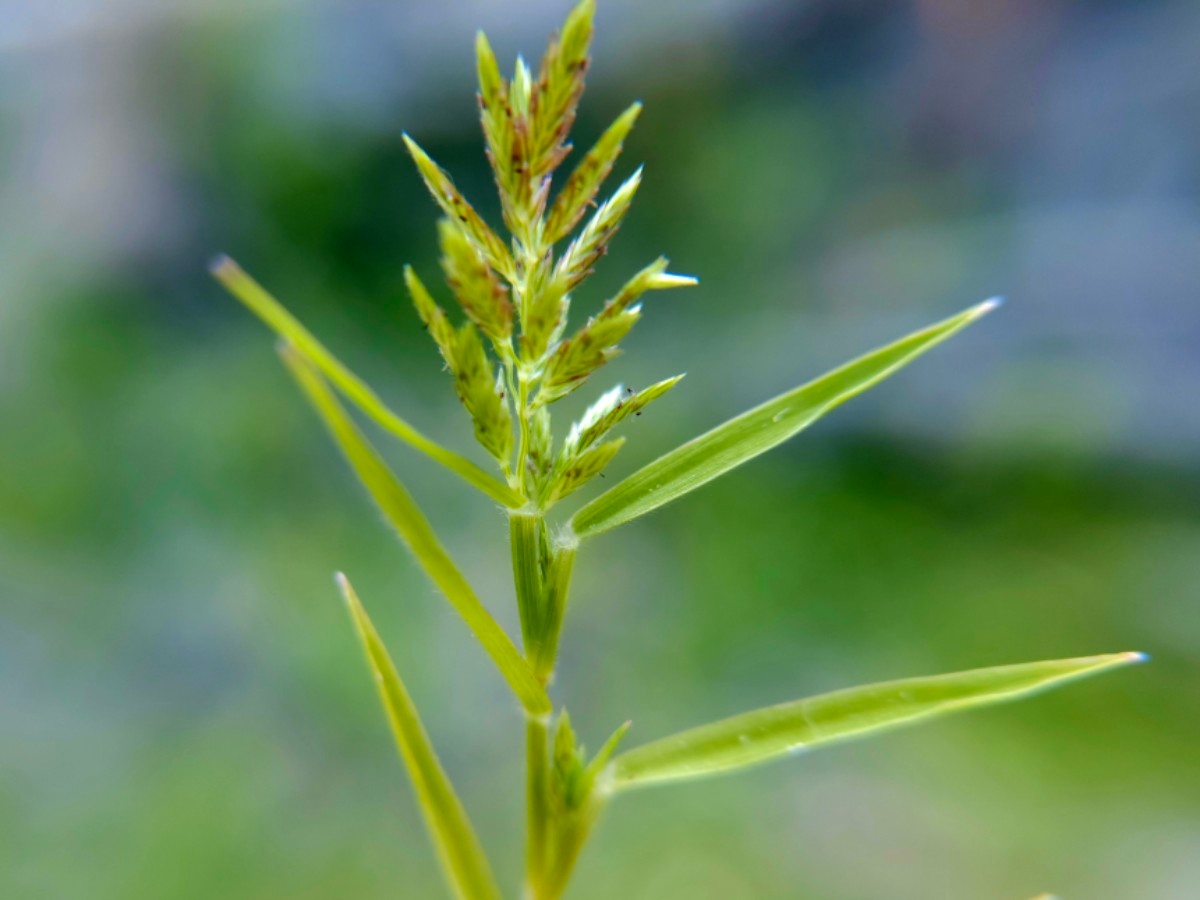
x: 183, y: 709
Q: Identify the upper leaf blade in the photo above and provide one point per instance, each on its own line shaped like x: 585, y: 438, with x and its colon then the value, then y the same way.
x: 404, y: 515
x: 458, y: 849
x: 272, y: 312
x: 740, y: 439
x: 776, y: 731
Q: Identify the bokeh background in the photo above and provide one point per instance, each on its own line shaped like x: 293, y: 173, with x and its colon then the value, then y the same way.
x: 183, y: 710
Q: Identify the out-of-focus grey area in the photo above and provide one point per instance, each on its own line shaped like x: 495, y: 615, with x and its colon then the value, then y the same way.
x: 183, y: 709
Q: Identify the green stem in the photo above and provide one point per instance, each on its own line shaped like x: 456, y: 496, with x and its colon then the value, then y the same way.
x: 537, y: 808
x: 570, y: 838
x: 540, y: 606
x: 527, y: 578
x: 522, y: 469
x: 553, y: 608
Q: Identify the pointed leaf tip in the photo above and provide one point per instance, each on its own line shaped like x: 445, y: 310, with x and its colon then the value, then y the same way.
x: 987, y: 306
x: 220, y: 264
x: 343, y: 585
x: 273, y: 314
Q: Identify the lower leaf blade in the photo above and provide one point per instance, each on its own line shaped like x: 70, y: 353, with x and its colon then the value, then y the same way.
x: 458, y: 849
x: 406, y: 517
x: 777, y: 731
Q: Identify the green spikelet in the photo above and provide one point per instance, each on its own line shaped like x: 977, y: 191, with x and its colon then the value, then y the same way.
x: 479, y: 291
x: 582, y: 468
x: 610, y: 410
x: 482, y: 394
x: 595, y: 343
x: 459, y: 211
x: 558, y: 90
x: 584, y: 182
x: 432, y: 316
x: 592, y: 243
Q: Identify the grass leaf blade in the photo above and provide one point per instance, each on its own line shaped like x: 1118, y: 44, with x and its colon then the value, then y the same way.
x: 740, y: 439
x: 777, y: 731
x: 402, y: 512
x: 272, y: 312
x: 463, y: 860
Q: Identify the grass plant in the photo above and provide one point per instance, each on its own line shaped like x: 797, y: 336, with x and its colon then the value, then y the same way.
x: 512, y: 354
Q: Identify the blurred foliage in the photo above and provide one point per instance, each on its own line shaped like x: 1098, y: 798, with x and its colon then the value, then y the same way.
x: 182, y: 705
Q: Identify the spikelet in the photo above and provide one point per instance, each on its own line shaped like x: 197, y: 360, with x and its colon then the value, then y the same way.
x: 573, y: 776
x: 613, y: 407
x: 596, y: 342
x: 539, y: 453
x: 587, y: 350
x: 505, y: 138
x: 581, y: 187
x: 432, y: 315
x: 567, y: 767
x: 581, y: 469
x: 478, y: 290
x: 592, y: 243
x: 543, y: 314
x: 464, y: 355
x: 556, y: 94
x: 482, y: 394
x: 461, y: 213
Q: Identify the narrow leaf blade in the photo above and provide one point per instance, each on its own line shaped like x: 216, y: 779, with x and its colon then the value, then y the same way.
x: 273, y: 314
x: 777, y: 731
x: 462, y: 858
x: 741, y: 439
x: 404, y: 515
